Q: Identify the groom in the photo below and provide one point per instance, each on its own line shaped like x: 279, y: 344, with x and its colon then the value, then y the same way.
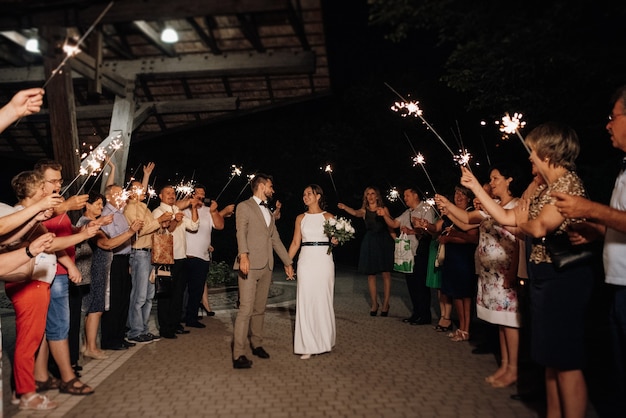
x: 256, y: 238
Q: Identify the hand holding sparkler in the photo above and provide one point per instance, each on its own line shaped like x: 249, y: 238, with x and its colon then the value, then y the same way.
x: 76, y: 202
x: 23, y: 103
x: 469, y: 180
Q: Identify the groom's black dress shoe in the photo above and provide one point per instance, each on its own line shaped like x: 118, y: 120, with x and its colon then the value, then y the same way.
x: 242, y: 363
x: 259, y: 352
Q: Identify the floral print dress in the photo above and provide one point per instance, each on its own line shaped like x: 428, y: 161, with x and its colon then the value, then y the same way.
x: 496, y: 251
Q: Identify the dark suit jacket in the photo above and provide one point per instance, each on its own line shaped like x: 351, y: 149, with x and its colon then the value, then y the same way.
x: 256, y: 238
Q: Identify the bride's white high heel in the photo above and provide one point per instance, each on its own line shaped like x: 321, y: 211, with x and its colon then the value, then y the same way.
x: 305, y: 356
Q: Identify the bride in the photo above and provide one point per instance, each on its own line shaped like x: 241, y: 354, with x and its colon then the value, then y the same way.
x: 315, y: 316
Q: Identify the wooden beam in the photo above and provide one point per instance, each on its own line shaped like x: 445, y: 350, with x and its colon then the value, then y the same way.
x: 60, y: 95
x: 87, y: 66
x: 14, y: 16
x: 241, y: 64
x: 208, y: 65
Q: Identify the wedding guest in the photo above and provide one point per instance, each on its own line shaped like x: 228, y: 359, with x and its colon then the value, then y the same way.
x: 169, y: 309
x: 315, y: 316
x: 102, y: 258
x: 198, y: 255
x: 115, y: 315
x: 420, y: 246
x: 377, y: 247
x: 458, y: 280
x: 257, y: 236
x: 609, y: 223
x: 58, y: 319
x: 497, y: 256
x: 143, y: 290
x: 557, y: 340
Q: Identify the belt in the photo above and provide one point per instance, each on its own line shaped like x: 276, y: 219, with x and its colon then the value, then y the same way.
x: 312, y: 243
x: 142, y: 249
x: 121, y: 255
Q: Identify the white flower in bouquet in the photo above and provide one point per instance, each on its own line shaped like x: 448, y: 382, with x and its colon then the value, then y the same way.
x: 341, y: 229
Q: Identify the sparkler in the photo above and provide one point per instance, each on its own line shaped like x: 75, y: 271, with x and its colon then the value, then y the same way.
x: 71, y: 51
x: 151, y: 191
x: 393, y: 194
x: 329, y: 170
x: 419, y: 159
x: 408, y: 108
x: 250, y: 178
x: 183, y: 190
x: 511, y: 125
x: 235, y: 171
x: 92, y: 162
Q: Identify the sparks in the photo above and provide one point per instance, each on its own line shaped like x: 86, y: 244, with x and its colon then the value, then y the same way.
x: 407, y: 108
x: 418, y: 159
x: 511, y: 125
x: 393, y: 194
x: 463, y: 158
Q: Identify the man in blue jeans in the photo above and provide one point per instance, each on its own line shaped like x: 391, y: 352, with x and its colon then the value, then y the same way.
x: 142, y: 292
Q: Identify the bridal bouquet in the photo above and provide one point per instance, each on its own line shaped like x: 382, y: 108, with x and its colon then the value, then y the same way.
x: 339, y: 228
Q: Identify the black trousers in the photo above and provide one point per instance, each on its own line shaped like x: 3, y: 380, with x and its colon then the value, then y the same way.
x: 113, y: 323
x: 196, y: 273
x: 416, y: 285
x: 169, y: 308
x: 76, y: 303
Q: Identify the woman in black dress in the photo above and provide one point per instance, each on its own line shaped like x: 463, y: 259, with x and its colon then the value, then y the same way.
x: 376, y: 248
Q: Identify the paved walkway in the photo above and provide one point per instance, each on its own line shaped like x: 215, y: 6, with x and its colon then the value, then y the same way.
x: 380, y: 367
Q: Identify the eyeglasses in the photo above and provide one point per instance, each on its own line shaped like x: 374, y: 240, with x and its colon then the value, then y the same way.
x: 57, y: 182
x: 612, y: 117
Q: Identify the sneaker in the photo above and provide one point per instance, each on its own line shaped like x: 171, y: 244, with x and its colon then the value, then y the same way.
x: 140, y: 339
x: 153, y: 337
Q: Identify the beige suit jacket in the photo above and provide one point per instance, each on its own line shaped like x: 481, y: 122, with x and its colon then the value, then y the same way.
x: 256, y: 238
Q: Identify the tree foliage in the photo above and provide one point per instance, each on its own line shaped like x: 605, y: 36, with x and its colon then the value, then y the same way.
x: 546, y: 57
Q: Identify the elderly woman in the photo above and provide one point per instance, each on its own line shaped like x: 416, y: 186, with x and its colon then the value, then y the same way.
x: 497, y: 265
x: 559, y: 297
x: 101, y: 246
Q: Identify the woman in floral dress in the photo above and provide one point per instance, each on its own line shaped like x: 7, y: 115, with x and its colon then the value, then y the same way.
x: 497, y: 257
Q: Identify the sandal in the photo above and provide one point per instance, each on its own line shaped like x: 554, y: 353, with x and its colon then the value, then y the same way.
x: 50, y: 384
x: 461, y: 336
x: 71, y: 388
x: 44, y: 403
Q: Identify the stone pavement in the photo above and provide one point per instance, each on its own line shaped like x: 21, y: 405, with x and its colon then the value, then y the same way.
x: 380, y: 367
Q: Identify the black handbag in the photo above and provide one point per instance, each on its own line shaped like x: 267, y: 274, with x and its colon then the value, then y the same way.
x: 163, y: 282
x: 565, y: 255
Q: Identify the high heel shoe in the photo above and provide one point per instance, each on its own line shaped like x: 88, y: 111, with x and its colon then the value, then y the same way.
x: 375, y: 311
x: 206, y: 311
x: 441, y: 328
x: 385, y: 313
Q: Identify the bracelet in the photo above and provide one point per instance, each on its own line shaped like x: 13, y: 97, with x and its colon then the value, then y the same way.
x: 28, y: 253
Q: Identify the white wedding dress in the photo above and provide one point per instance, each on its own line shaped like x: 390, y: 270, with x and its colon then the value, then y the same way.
x: 315, y: 315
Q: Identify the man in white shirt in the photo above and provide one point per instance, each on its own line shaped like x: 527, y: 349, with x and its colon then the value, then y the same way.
x: 169, y: 309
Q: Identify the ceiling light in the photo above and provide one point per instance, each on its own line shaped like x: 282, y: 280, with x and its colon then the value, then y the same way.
x: 32, y: 45
x: 169, y: 36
